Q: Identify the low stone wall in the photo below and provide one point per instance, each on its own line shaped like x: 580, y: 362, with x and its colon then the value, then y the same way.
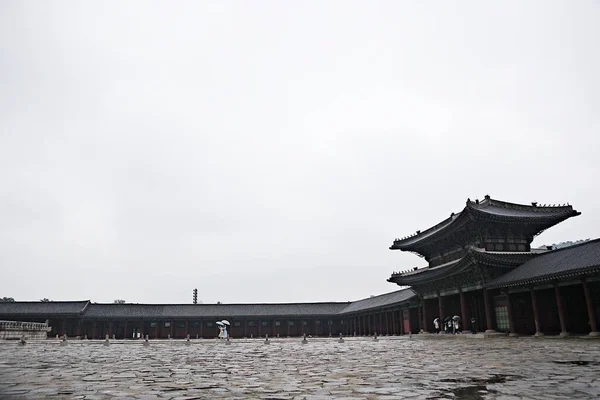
x: 14, y: 330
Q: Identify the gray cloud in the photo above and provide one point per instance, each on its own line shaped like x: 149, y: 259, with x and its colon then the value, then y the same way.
x: 271, y: 152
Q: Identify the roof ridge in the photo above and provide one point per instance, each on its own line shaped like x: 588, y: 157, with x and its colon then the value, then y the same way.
x: 47, y: 302
x: 568, y: 247
x: 215, y: 304
x: 380, y: 295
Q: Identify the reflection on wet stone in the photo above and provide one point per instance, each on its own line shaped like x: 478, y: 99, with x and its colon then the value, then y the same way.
x: 359, y: 368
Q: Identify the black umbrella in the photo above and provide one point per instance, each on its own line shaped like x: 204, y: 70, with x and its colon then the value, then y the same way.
x: 446, y: 319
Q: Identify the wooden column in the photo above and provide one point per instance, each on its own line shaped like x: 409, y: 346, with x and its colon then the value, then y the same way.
x: 394, y: 322
x: 440, y: 309
x: 79, y: 328
x: 590, y: 308
x: 387, y: 323
x: 110, y: 328
x: 142, y: 333
x: 420, y: 317
x: 561, y: 312
x: 463, y: 312
x: 511, y: 320
x: 156, y: 324
x: 245, y: 328
x: 93, y: 330
x: 259, y: 327
x: 172, y: 330
x: 424, y: 316
x: 288, y: 327
x: 488, y: 312
x: 186, y: 328
x: 401, y: 321
x: 536, y: 313
x: 408, y: 327
x: 201, y: 328
x: 125, y: 329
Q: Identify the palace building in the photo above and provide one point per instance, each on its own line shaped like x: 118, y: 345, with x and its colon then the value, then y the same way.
x: 480, y: 265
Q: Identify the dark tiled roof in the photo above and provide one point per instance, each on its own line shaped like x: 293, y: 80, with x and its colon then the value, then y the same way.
x: 568, y: 261
x: 383, y: 300
x: 211, y: 310
x: 497, y: 210
x: 42, y: 309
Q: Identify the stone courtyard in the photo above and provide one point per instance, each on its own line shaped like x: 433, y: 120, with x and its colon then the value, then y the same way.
x: 360, y: 368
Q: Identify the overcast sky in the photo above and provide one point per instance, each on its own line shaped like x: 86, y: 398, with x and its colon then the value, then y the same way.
x: 270, y: 151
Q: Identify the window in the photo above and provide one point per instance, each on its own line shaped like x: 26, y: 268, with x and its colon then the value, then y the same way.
x: 167, y: 324
x: 196, y: 324
x: 318, y: 322
x: 304, y: 323
x: 152, y: 324
x: 499, y: 247
x: 250, y: 323
x: 264, y: 323
x: 512, y: 247
x: 182, y: 324
x: 502, y: 318
x: 522, y: 247
x: 290, y: 323
x: 238, y: 323
x: 277, y: 323
x: 209, y: 324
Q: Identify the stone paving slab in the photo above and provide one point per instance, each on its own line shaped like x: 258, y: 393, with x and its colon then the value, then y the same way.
x: 391, y: 368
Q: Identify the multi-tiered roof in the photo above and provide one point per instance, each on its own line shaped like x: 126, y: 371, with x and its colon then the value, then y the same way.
x: 490, y: 233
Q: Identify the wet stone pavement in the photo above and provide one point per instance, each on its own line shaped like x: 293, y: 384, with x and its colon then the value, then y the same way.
x: 391, y: 368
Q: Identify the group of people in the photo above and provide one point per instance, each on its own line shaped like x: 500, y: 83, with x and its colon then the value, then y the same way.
x: 448, y: 325
x: 222, y: 325
x: 452, y: 325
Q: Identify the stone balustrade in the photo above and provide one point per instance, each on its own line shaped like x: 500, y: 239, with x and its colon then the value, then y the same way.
x: 13, y: 330
x: 23, y: 326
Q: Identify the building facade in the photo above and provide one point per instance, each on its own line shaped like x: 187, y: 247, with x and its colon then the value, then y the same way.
x: 481, y: 267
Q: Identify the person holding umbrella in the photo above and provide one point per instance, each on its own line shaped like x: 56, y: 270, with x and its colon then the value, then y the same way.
x: 447, y: 324
x: 225, y: 325
x: 221, y: 327
x: 455, y: 324
x: 436, y: 324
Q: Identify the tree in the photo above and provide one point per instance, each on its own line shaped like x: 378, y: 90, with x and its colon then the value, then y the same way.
x: 218, y: 302
x: 45, y: 300
x: 7, y: 300
x: 119, y: 301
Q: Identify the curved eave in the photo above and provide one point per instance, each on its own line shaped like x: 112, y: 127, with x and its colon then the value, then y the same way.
x: 541, y: 218
x: 473, y: 256
x: 414, y: 242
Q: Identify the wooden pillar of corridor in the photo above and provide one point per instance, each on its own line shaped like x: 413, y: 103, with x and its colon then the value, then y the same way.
x: 511, y: 319
x: 561, y: 312
x: 440, y: 309
x: 394, y: 322
x: 463, y: 311
x: 536, y: 313
x: 488, y: 312
x: 590, y: 308
x: 401, y: 322
x: 424, y: 314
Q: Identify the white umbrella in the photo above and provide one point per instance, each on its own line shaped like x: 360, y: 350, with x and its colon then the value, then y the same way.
x: 226, y: 322
x: 456, y: 318
x: 220, y: 323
